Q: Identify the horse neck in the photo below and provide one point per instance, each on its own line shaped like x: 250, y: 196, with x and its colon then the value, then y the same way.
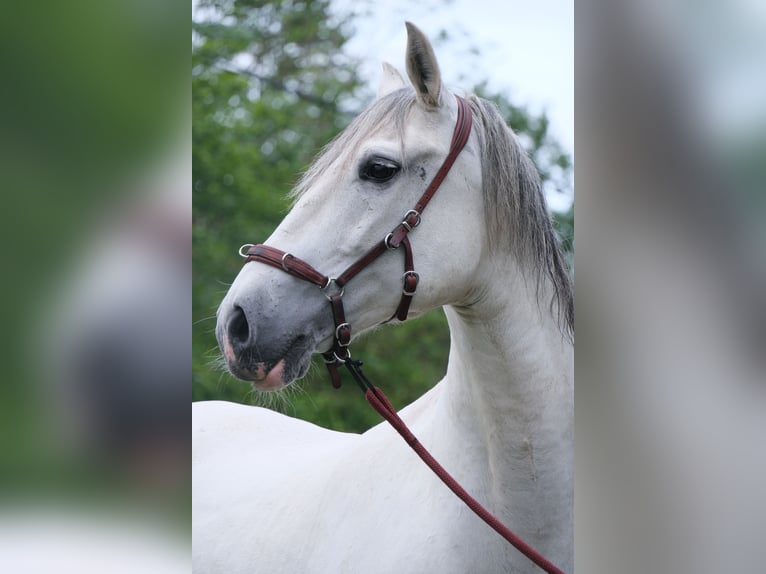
x: 507, y: 401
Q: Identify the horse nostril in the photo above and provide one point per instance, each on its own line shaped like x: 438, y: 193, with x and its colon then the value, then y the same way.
x: 239, y: 330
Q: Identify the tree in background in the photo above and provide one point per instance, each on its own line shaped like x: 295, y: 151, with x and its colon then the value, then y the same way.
x: 271, y: 85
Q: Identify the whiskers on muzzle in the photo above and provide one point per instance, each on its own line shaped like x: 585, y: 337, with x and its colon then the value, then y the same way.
x: 280, y: 400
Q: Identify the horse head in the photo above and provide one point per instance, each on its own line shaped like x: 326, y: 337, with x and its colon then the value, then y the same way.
x: 364, y: 183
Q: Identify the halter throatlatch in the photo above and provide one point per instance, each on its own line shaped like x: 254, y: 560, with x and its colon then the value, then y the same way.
x: 333, y: 286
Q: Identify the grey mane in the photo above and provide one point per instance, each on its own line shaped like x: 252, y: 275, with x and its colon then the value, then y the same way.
x: 514, y: 204
x: 515, y: 209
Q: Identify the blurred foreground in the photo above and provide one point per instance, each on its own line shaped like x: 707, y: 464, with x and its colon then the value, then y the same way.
x: 670, y: 389
x: 94, y: 448
x: 671, y: 277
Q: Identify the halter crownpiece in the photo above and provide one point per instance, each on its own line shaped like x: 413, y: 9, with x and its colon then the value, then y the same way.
x: 398, y: 236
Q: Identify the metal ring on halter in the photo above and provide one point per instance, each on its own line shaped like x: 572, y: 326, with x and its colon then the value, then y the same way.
x: 342, y: 361
x: 387, y: 241
x: 336, y: 358
x: 331, y: 280
x: 246, y: 247
x: 285, y: 256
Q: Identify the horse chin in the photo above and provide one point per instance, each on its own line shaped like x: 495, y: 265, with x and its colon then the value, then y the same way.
x: 291, y: 364
x: 274, y: 379
x: 277, y: 377
x: 288, y: 369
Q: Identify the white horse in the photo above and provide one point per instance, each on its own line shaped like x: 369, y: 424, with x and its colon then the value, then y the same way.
x: 276, y: 494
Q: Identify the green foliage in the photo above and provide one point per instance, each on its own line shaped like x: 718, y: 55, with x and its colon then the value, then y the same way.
x: 271, y: 86
x: 262, y: 73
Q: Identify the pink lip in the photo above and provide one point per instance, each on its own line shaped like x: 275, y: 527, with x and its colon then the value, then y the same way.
x: 264, y: 381
x: 273, y: 380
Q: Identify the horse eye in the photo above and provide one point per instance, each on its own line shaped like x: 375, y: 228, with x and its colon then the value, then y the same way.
x: 379, y: 170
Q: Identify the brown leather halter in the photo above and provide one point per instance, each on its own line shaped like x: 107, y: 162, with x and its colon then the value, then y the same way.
x: 333, y: 287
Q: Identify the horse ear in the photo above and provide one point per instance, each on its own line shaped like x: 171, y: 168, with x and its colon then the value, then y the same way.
x: 391, y: 81
x: 422, y: 67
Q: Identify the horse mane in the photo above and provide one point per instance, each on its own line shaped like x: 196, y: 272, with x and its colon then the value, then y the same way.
x: 515, y: 209
x: 514, y: 204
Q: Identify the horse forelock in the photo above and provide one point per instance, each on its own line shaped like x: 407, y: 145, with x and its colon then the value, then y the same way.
x: 391, y: 109
x: 516, y: 214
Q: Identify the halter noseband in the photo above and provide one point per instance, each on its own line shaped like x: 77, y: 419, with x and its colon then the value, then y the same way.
x: 333, y: 287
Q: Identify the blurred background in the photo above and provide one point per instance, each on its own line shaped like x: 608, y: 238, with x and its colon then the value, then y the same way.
x: 96, y: 213
x: 670, y: 385
x: 273, y: 82
x: 670, y: 142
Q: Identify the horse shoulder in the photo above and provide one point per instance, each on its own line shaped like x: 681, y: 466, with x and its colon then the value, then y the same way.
x: 256, y: 472
x: 224, y: 416
x: 221, y: 425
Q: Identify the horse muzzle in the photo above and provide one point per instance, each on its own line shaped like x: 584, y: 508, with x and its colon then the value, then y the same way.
x: 269, y: 362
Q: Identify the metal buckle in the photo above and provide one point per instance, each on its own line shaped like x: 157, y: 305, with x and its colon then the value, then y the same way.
x: 407, y: 225
x: 246, y: 247
x: 404, y: 279
x: 337, y: 336
x: 331, y: 280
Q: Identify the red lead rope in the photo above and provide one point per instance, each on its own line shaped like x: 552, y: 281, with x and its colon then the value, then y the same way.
x: 381, y: 404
